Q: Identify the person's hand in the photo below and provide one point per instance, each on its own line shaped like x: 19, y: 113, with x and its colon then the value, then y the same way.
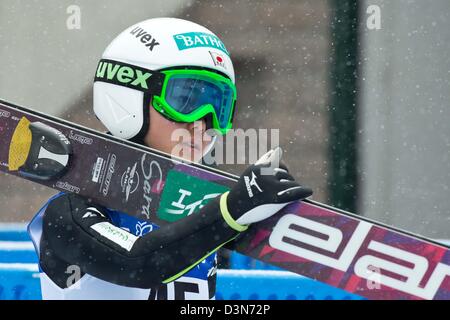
x: 262, y: 190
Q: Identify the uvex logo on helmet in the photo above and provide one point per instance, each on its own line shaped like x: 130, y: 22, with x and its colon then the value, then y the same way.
x: 145, y: 37
x: 121, y: 74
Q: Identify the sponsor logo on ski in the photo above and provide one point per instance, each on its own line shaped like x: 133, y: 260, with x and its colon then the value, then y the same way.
x: 218, y: 59
x: 251, y: 182
x: 5, y: 114
x: 408, y: 277
x: 145, y: 37
x: 97, y: 169
x: 148, y: 171
x: 124, y: 74
x: 60, y: 135
x: 67, y: 186
x: 62, y: 159
x: 190, y: 207
x: 191, y: 40
x: 129, y: 181
x: 178, y: 202
x: 109, y: 173
x: 81, y: 139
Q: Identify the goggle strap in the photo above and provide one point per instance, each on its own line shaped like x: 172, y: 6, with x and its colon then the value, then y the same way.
x: 130, y: 76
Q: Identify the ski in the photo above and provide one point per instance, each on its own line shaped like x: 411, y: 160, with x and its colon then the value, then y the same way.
x: 320, y: 242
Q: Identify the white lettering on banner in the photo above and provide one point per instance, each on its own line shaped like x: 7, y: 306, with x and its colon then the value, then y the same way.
x: 367, y: 266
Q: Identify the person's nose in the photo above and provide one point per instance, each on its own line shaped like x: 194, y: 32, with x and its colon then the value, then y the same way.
x: 199, y: 126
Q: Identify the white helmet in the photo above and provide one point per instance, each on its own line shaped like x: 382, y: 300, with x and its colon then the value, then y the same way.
x: 152, y: 44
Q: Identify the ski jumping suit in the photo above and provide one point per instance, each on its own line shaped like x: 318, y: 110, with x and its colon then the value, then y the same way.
x: 87, y: 251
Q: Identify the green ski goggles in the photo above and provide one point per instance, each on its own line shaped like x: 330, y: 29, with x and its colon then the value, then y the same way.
x: 191, y: 95
x: 182, y: 95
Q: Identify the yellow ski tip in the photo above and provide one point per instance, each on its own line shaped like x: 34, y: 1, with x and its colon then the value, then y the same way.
x: 20, y: 145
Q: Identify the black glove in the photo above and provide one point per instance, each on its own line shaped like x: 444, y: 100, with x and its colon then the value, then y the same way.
x: 261, y: 191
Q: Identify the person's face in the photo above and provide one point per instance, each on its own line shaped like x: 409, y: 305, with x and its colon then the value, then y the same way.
x: 159, y: 136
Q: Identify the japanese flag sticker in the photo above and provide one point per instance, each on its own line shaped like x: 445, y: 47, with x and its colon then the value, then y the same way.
x: 218, y: 59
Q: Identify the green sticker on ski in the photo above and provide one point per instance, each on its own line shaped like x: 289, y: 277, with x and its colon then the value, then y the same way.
x: 184, y: 194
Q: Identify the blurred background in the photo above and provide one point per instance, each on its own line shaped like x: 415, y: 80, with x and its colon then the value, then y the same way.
x: 359, y: 90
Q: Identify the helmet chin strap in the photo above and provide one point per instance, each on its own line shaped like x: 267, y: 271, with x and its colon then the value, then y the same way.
x: 139, y: 139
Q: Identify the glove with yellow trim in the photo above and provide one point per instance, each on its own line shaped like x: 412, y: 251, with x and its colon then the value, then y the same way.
x: 262, y: 190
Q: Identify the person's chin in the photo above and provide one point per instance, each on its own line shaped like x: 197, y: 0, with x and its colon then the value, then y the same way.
x: 198, y: 155
x: 195, y: 154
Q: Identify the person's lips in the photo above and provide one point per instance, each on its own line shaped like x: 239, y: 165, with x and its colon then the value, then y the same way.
x: 192, y: 145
